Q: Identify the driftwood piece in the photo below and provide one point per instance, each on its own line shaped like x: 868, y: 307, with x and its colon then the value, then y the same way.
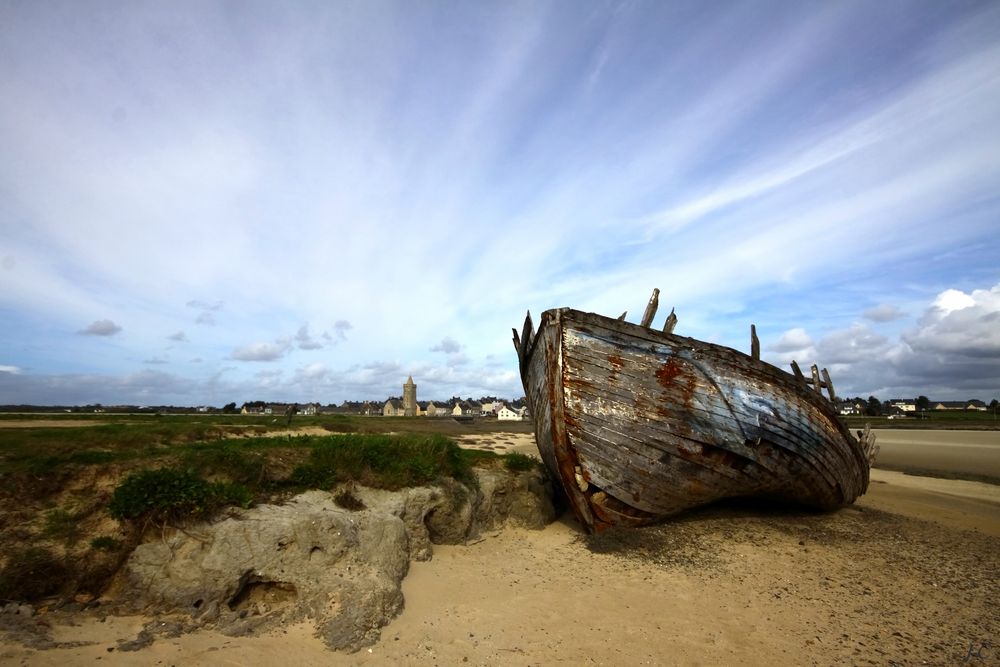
x: 754, y: 343
x: 621, y: 318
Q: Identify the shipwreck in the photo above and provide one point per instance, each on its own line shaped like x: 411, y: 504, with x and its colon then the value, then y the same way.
x: 639, y: 424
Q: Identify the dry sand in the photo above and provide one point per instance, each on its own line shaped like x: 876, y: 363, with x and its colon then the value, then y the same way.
x: 908, y: 575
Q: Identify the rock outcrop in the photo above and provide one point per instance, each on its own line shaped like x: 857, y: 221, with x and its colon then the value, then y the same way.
x: 311, y: 557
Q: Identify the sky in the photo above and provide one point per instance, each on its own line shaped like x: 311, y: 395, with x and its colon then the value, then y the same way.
x: 204, y: 202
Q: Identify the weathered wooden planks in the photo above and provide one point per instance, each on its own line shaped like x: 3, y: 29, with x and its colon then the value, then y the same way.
x: 639, y: 424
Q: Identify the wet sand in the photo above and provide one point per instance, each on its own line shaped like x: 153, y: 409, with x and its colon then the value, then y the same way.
x: 907, y: 575
x: 953, y: 453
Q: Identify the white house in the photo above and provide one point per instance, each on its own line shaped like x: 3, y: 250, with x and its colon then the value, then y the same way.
x: 506, y: 414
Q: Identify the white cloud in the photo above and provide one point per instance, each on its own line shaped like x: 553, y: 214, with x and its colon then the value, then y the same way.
x: 100, y: 328
x: 13, y: 370
x: 340, y: 328
x: 961, y: 324
x: 793, y: 340
x: 205, y: 305
x: 883, y: 313
x: 447, y: 345
x: 305, y: 341
x: 953, y: 351
x: 261, y: 351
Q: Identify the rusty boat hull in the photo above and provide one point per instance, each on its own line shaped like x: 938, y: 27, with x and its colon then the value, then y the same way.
x: 640, y: 424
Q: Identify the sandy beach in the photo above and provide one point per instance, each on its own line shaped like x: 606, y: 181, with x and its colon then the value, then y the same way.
x: 973, y: 454
x: 907, y: 575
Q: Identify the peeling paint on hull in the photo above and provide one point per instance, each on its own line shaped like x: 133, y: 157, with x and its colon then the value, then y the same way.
x: 639, y: 425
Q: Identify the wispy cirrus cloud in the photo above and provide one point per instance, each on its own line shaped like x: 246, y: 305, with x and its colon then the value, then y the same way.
x: 745, y: 159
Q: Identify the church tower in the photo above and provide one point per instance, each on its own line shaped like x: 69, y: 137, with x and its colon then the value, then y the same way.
x: 409, y: 398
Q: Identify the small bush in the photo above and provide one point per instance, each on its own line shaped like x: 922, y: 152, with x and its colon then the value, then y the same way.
x: 168, y: 494
x: 519, y: 462
x: 105, y: 543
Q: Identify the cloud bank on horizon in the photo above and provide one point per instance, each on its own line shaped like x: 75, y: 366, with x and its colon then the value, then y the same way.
x: 204, y: 203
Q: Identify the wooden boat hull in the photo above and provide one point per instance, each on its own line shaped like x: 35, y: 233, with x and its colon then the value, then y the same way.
x: 639, y: 425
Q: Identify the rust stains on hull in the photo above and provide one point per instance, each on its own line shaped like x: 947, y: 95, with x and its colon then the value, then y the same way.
x: 639, y: 424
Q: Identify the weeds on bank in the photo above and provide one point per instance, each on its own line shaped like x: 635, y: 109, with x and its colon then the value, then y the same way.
x: 516, y: 462
x: 31, y: 573
x: 172, y: 472
x: 382, y: 461
x: 168, y: 494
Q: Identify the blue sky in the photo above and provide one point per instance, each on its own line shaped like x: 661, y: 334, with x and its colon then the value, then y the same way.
x: 204, y: 202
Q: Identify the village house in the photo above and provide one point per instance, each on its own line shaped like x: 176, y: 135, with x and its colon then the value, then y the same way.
x: 508, y: 414
x: 850, y: 408
x: 974, y: 404
x: 511, y: 414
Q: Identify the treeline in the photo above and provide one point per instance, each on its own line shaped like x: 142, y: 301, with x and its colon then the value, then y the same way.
x: 873, y: 407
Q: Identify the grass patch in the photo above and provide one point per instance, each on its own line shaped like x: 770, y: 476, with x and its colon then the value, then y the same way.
x: 168, y: 494
x: 517, y: 462
x: 61, y: 524
x: 382, y: 461
x: 235, y: 461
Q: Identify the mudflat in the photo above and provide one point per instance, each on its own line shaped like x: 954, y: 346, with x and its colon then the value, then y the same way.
x: 956, y: 453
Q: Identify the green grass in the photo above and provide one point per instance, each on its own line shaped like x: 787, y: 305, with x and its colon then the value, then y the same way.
x: 519, y: 462
x: 382, y: 461
x: 935, y: 419
x: 171, y: 469
x: 168, y: 494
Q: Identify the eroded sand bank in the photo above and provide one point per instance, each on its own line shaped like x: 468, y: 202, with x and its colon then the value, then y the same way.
x: 907, y: 575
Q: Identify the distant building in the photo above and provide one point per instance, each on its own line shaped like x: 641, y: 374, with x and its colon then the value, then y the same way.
x: 974, y: 404
x: 409, y: 398
x: 507, y: 414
